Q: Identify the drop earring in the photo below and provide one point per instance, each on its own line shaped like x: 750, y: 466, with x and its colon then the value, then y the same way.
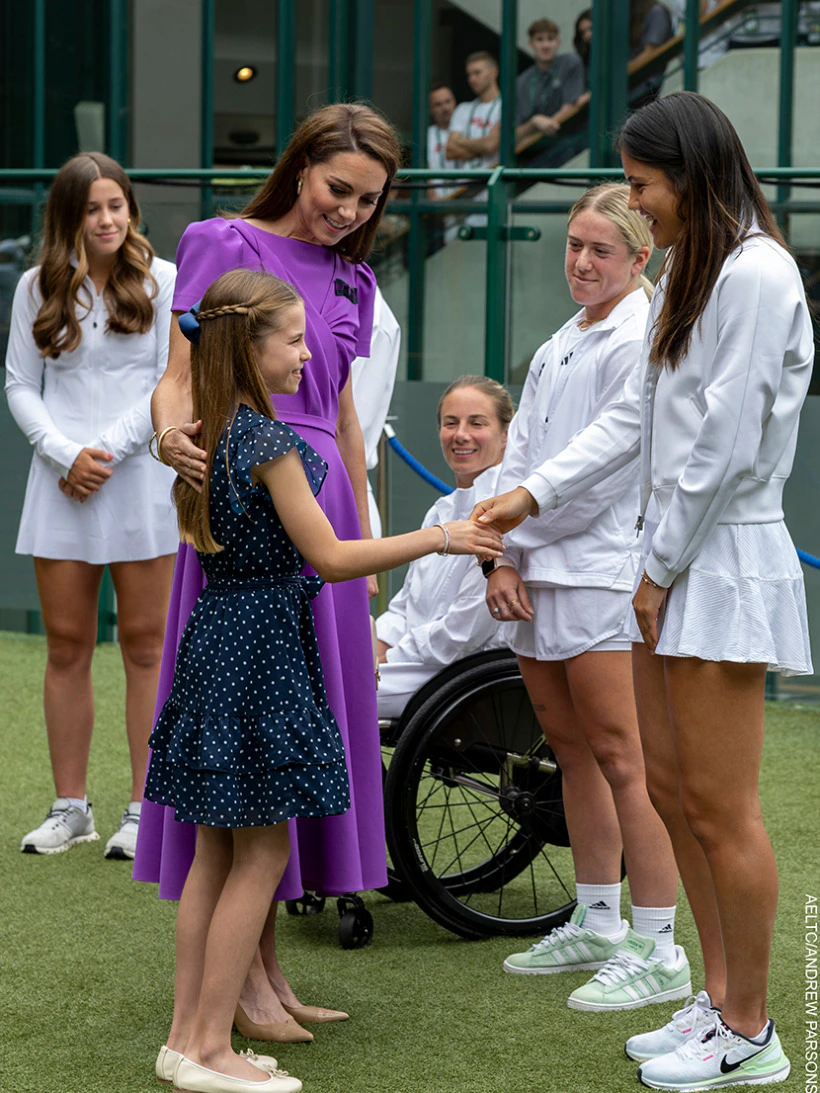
x: 298, y: 186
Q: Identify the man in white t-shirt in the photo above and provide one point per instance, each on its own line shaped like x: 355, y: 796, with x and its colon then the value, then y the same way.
x: 475, y: 127
x: 442, y: 106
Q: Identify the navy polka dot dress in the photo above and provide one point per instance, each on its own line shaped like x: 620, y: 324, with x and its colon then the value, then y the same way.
x: 246, y: 737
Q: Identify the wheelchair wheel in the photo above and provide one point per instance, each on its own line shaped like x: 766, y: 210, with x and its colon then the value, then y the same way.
x: 474, y: 816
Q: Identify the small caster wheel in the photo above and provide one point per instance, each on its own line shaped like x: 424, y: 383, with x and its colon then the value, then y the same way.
x: 395, y: 888
x: 309, y: 904
x: 355, y: 923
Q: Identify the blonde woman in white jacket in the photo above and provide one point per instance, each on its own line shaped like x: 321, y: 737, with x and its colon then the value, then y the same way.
x: 566, y: 578
x: 713, y: 410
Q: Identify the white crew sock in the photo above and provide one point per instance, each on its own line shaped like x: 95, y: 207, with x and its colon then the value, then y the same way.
x: 78, y: 802
x: 135, y: 806
x: 659, y: 924
x: 603, y: 907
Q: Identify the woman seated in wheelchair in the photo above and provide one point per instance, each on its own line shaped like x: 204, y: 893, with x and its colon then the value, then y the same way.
x: 439, y: 615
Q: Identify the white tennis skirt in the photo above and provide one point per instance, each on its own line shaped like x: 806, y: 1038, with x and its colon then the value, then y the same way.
x: 742, y: 599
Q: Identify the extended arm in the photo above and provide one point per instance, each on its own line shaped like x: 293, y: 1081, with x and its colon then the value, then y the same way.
x: 342, y: 560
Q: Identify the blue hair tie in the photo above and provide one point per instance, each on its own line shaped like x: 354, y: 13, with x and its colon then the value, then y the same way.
x: 189, y: 324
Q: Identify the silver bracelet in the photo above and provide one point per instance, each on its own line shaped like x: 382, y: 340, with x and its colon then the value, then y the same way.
x: 446, y: 548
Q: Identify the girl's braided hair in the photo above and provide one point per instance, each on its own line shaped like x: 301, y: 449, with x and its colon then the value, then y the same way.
x: 238, y: 311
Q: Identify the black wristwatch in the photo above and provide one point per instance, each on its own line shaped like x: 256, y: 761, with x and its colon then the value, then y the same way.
x: 488, y: 567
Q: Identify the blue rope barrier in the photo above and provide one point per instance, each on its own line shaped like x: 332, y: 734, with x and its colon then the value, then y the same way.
x: 428, y: 476
x: 411, y: 461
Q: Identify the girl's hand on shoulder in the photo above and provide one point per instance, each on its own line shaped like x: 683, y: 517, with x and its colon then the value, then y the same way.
x: 89, y: 472
x: 507, y: 598
x: 646, y: 603
x: 180, y: 452
x: 468, y: 537
x: 507, y: 510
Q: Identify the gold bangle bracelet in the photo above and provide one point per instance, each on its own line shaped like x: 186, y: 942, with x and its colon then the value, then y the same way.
x: 648, y: 580
x: 151, y: 451
x: 160, y: 439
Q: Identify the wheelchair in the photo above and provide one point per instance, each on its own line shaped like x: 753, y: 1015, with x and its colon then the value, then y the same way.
x: 474, y: 815
x: 473, y: 809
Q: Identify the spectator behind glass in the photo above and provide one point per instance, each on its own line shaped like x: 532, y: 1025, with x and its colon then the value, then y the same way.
x: 475, y: 127
x: 547, y: 91
x: 650, y: 25
x: 582, y: 40
x: 438, y: 616
x: 442, y: 107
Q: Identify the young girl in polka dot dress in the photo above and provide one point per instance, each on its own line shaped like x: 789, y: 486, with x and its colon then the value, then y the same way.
x: 246, y: 739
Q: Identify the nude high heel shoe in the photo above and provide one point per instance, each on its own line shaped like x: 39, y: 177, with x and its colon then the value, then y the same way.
x: 314, y: 1015
x: 280, y: 1032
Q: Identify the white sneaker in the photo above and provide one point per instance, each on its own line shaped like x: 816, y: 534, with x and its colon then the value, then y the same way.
x: 123, y: 843
x: 697, y: 1014
x: 64, y: 826
x: 718, y: 1057
x: 633, y: 978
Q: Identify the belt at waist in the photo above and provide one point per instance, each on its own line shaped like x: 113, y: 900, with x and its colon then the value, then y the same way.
x: 312, y: 421
x: 309, y: 584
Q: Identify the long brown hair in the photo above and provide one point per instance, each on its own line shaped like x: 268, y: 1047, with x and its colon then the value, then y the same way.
x: 57, y: 329
x: 719, y: 201
x: 238, y: 309
x: 342, y: 127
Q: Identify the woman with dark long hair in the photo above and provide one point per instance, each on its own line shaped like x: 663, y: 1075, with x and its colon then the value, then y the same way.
x: 88, y: 341
x: 311, y: 224
x: 713, y: 409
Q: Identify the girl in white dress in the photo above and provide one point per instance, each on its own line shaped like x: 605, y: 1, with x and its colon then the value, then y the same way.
x: 88, y: 342
x: 713, y: 410
x: 567, y: 578
x: 438, y: 615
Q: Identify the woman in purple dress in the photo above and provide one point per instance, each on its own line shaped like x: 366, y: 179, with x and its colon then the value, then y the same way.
x: 312, y: 224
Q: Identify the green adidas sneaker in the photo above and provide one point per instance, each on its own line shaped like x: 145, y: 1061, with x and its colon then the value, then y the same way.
x: 567, y: 948
x: 632, y: 978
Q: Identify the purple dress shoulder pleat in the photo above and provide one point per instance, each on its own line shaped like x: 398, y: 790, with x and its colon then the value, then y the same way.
x: 335, y: 854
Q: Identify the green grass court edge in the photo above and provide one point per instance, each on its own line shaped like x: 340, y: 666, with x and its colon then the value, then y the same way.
x: 86, y: 954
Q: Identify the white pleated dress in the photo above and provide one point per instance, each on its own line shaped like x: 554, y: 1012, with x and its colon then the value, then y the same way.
x: 98, y: 396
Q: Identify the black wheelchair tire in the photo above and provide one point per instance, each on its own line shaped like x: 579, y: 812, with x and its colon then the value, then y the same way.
x: 487, y: 692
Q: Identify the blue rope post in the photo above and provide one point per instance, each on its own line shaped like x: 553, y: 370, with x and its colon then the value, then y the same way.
x: 413, y: 463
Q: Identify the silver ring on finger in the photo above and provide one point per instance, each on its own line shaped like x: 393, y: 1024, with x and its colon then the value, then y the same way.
x: 496, y: 610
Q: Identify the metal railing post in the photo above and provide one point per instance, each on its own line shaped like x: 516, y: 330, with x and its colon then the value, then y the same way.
x: 338, y: 66
x: 509, y: 68
x: 364, y: 15
x: 495, y: 331
x: 285, y: 71
x: 422, y: 24
x: 691, y: 42
x: 785, y: 129
x: 206, y: 109
x: 598, y: 71
x: 117, y: 115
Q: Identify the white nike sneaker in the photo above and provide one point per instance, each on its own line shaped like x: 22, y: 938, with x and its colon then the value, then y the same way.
x: 696, y: 1015
x: 717, y: 1058
x: 123, y: 843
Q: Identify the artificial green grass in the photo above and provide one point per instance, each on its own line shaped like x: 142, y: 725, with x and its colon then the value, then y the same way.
x: 86, y: 954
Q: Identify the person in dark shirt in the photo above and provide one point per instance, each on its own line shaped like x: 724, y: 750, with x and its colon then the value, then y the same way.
x: 547, y: 91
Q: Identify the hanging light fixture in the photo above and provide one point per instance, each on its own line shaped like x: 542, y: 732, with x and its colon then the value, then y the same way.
x: 245, y: 73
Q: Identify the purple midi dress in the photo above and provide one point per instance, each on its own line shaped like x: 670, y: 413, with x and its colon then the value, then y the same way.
x: 334, y: 854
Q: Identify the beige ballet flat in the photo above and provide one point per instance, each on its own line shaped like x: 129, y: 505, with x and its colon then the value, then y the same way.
x: 280, y: 1032
x: 167, y: 1062
x: 314, y: 1015
x: 193, y: 1078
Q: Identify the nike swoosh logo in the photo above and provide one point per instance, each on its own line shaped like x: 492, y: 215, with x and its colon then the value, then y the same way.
x: 727, y: 1068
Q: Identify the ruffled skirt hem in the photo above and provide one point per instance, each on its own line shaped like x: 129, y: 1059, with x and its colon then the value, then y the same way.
x: 741, y: 600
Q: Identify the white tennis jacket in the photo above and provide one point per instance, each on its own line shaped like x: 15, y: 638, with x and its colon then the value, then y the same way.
x: 717, y: 436
x: 590, y: 541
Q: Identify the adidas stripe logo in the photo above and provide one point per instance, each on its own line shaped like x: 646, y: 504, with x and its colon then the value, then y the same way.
x: 667, y: 929
x: 599, y: 906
